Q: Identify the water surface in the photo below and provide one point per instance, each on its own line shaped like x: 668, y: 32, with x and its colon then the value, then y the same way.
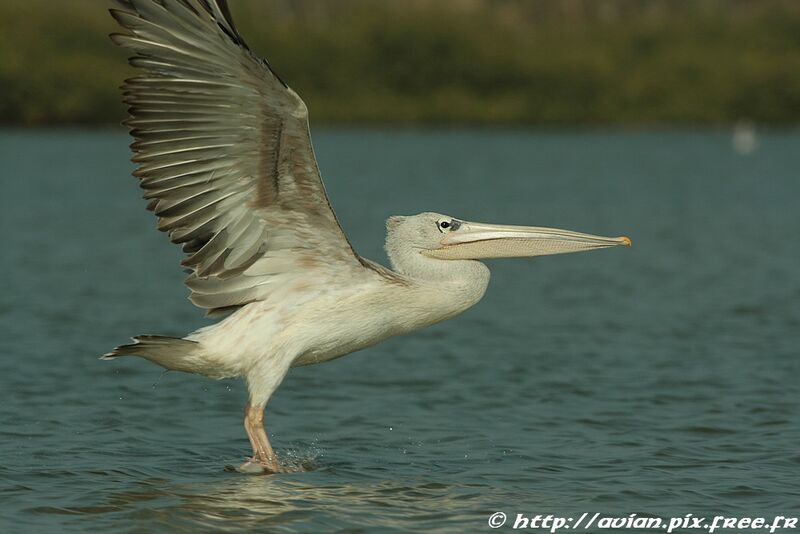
x: 661, y: 379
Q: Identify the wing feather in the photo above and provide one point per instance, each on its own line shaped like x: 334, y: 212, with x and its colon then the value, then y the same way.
x: 224, y: 155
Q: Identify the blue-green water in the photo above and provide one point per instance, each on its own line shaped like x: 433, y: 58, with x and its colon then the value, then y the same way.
x: 661, y: 379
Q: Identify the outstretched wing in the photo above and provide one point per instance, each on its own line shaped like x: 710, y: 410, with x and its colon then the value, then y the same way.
x: 224, y: 154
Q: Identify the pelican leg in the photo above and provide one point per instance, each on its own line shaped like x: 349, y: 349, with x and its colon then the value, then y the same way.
x: 264, y: 458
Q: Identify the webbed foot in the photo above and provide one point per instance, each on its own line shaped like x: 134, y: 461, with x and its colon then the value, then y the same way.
x: 254, y: 466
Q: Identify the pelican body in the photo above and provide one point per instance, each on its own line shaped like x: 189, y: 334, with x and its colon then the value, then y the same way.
x: 226, y: 163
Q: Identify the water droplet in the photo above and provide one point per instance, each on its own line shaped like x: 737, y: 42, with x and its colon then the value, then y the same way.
x: 155, y: 385
x: 390, y: 428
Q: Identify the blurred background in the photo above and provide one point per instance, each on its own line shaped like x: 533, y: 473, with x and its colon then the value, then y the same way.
x: 657, y: 380
x: 482, y: 62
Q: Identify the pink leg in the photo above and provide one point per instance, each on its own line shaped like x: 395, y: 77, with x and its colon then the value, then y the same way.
x: 264, y: 458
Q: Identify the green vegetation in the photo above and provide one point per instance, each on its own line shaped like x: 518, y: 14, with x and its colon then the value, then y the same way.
x: 630, y: 62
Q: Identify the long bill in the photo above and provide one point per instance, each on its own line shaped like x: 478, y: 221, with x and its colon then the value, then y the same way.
x: 480, y: 241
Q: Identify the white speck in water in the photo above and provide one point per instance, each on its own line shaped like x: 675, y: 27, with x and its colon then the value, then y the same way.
x: 745, y: 140
x: 390, y: 429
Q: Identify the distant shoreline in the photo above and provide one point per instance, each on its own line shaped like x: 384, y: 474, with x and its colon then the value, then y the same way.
x: 446, y: 63
x: 566, y: 129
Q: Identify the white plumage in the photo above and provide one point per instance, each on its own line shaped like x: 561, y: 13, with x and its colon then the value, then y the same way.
x: 226, y: 162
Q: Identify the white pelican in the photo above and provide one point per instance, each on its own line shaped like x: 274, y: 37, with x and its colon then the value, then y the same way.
x: 225, y: 159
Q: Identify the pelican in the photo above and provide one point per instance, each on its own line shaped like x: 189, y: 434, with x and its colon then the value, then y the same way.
x: 225, y: 160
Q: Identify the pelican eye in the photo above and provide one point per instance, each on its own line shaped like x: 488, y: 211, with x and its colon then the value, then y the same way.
x: 451, y: 225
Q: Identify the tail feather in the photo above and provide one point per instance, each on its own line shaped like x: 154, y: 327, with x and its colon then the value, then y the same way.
x: 172, y: 353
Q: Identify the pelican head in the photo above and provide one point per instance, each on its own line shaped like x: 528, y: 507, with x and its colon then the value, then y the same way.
x: 447, y: 238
